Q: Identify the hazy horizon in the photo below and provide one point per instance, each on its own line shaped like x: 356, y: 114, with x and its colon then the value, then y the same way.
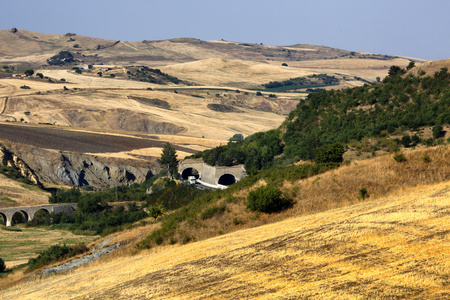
x: 411, y: 28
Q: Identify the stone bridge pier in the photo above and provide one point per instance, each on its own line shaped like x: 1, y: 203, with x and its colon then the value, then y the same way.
x: 30, y: 211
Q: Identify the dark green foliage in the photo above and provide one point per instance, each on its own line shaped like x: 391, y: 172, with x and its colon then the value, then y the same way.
x: 396, y: 71
x: 426, y: 158
x: 2, y: 265
x: 154, y: 211
x: 62, y: 58
x: 29, y: 72
x: 330, y: 153
x: 53, y: 254
x: 363, y: 193
x: 147, y: 74
x: 40, y: 75
x: 410, y: 65
x: 301, y: 83
x: 41, y: 218
x: 238, y: 137
x: 65, y: 196
x: 399, y: 157
x: 438, y: 131
x: 268, y: 199
x: 168, y: 160
x: 406, y: 141
x: 18, y: 218
x: 398, y: 103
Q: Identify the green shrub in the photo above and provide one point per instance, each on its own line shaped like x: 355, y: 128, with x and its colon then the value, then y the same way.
x: 399, y: 157
x: 55, y: 253
x: 329, y: 153
x: 363, y: 193
x: 426, y: 158
x: 154, y: 211
x: 267, y: 199
x: 2, y: 265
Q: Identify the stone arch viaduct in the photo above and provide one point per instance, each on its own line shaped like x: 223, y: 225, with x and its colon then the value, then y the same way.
x: 30, y: 211
x: 216, y: 177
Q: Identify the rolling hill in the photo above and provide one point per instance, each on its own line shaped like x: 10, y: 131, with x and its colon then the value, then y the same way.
x: 393, y: 244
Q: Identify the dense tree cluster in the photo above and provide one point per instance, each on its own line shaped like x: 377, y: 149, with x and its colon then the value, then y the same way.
x: 398, y: 104
x: 339, y: 116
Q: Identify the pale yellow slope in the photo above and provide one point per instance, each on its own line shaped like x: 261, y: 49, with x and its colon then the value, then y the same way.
x: 397, y: 246
x: 237, y: 73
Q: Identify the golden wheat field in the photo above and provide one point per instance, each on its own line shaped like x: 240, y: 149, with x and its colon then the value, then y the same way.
x: 394, y: 247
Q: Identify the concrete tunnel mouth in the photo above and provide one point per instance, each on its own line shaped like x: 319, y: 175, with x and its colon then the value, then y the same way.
x: 227, y: 179
x: 189, y: 172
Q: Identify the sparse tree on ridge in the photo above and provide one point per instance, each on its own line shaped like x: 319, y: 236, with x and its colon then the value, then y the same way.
x: 169, y: 160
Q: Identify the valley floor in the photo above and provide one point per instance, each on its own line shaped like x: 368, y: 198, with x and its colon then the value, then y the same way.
x: 396, y: 246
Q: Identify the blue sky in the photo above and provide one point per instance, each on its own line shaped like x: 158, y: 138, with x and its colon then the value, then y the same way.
x: 413, y: 28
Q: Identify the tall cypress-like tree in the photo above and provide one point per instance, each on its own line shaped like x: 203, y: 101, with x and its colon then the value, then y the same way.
x: 169, y: 160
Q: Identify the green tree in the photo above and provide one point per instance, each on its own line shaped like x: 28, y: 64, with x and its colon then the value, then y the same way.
x: 411, y: 65
x: 238, y: 137
x: 169, y: 160
x: 329, y: 153
x: 29, y: 72
x: 438, y: 131
x: 154, y: 211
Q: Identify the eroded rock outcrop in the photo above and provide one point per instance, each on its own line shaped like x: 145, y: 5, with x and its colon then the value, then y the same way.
x: 9, y: 159
x: 76, y: 169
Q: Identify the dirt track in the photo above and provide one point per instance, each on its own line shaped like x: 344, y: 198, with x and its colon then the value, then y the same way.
x: 75, y: 141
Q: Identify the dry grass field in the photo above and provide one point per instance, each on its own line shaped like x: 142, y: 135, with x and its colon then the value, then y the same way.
x: 330, y: 245
x: 391, y: 247
x: 13, y: 193
x: 19, y: 246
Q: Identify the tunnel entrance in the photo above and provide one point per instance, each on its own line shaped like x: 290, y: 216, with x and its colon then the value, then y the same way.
x: 227, y: 179
x: 189, y: 172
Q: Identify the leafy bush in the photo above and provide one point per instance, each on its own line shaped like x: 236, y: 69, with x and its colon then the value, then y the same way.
x: 331, y: 153
x: 363, y: 193
x: 399, y: 157
x: 55, y: 253
x: 267, y: 199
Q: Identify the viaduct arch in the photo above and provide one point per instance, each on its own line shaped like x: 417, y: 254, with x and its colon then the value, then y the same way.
x: 213, y: 176
x: 30, y: 211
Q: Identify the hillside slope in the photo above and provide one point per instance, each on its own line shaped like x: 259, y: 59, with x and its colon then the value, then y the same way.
x: 393, y: 247
x: 330, y: 244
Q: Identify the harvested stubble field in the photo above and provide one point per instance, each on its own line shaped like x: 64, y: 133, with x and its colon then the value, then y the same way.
x: 394, y: 244
x: 394, y: 247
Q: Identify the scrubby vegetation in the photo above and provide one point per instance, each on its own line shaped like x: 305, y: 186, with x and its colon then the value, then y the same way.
x: 363, y: 117
x: 147, y: 74
x: 62, y: 58
x: 301, y: 83
x: 55, y: 253
x: 267, y: 199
